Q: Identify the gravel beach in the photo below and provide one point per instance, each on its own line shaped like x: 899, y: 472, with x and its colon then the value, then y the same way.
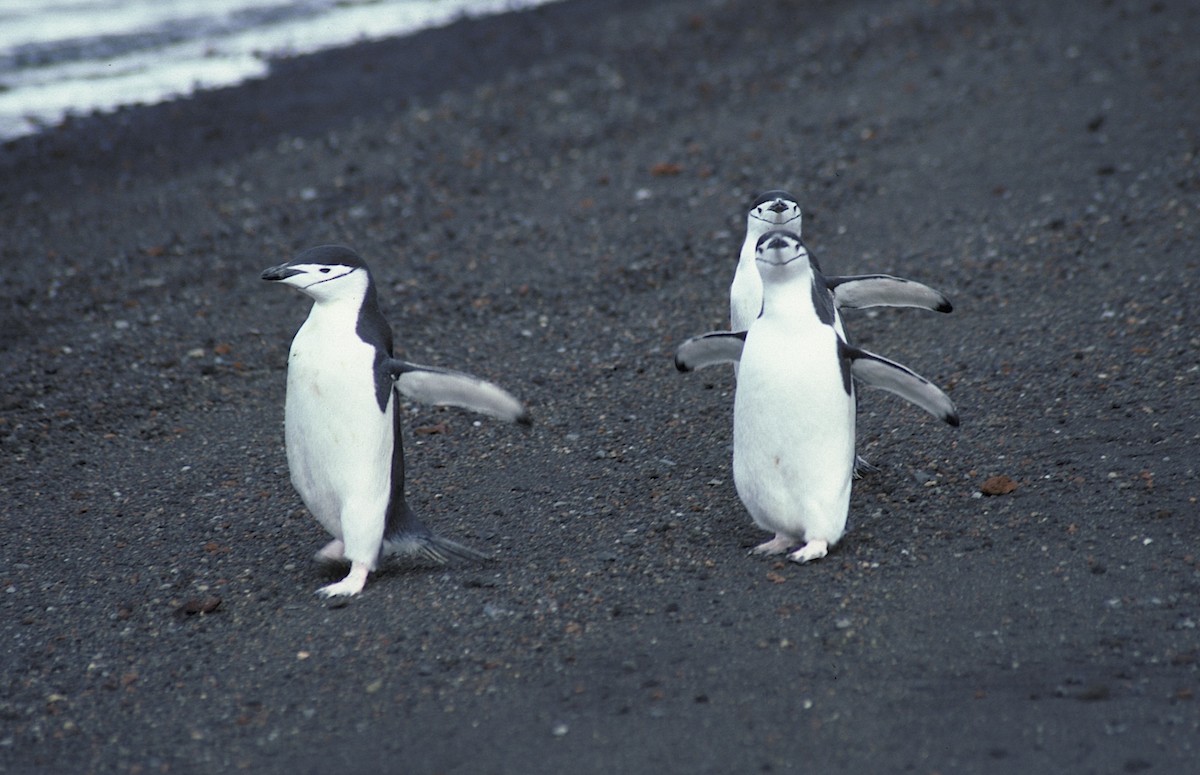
x: 553, y: 200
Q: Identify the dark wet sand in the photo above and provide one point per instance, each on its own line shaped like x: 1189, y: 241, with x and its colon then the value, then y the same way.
x: 554, y: 200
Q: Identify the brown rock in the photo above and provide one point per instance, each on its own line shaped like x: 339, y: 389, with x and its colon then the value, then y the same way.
x: 998, y: 485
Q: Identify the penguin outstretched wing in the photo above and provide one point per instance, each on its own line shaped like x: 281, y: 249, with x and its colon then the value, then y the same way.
x: 442, y: 387
x: 883, y: 290
x: 709, y: 349
x: 876, y: 371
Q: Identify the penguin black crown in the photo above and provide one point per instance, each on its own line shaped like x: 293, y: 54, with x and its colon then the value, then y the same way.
x: 342, y: 418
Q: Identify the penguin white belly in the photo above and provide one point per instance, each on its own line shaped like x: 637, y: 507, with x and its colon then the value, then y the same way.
x: 745, y: 295
x: 793, y: 448
x: 339, y: 443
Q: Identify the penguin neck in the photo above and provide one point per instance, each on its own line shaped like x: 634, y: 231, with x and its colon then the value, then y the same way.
x: 758, y: 226
x: 755, y: 229
x: 349, y: 303
x: 361, y: 314
x: 790, y: 298
x: 342, y: 309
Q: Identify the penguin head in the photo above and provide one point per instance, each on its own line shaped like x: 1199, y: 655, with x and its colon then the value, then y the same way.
x: 780, y: 254
x: 328, y: 273
x: 774, y: 210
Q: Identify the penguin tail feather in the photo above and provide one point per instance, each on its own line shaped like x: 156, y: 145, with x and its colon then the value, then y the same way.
x: 432, y: 547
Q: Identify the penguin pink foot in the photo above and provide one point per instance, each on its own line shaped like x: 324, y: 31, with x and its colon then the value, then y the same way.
x: 354, y: 582
x: 813, y: 550
x: 777, y: 545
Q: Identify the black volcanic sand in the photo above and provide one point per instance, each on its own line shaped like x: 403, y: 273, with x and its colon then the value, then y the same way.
x: 554, y: 200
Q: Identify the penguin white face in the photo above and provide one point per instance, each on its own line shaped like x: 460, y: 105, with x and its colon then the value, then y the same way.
x: 327, y: 273
x: 775, y: 210
x: 780, y: 252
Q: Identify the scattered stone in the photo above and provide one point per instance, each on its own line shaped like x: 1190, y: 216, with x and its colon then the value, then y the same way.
x: 198, y: 605
x: 998, y: 485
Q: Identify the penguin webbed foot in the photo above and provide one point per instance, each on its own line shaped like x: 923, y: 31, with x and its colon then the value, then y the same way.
x: 777, y: 545
x: 354, y: 582
x: 813, y: 550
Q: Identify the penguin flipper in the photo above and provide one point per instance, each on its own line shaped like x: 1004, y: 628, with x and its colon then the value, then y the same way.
x: 882, y: 290
x: 709, y: 349
x: 876, y: 371
x: 442, y: 387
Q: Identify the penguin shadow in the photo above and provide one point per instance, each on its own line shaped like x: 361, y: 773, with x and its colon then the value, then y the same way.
x: 401, y: 567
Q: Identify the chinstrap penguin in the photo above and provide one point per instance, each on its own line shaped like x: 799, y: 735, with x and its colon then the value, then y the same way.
x: 342, y: 417
x: 778, y: 210
x: 794, y: 408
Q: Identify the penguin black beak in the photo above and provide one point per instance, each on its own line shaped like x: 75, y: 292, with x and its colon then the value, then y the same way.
x: 281, y: 272
x: 778, y: 207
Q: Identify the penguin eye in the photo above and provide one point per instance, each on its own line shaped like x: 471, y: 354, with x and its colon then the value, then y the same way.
x: 325, y: 270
